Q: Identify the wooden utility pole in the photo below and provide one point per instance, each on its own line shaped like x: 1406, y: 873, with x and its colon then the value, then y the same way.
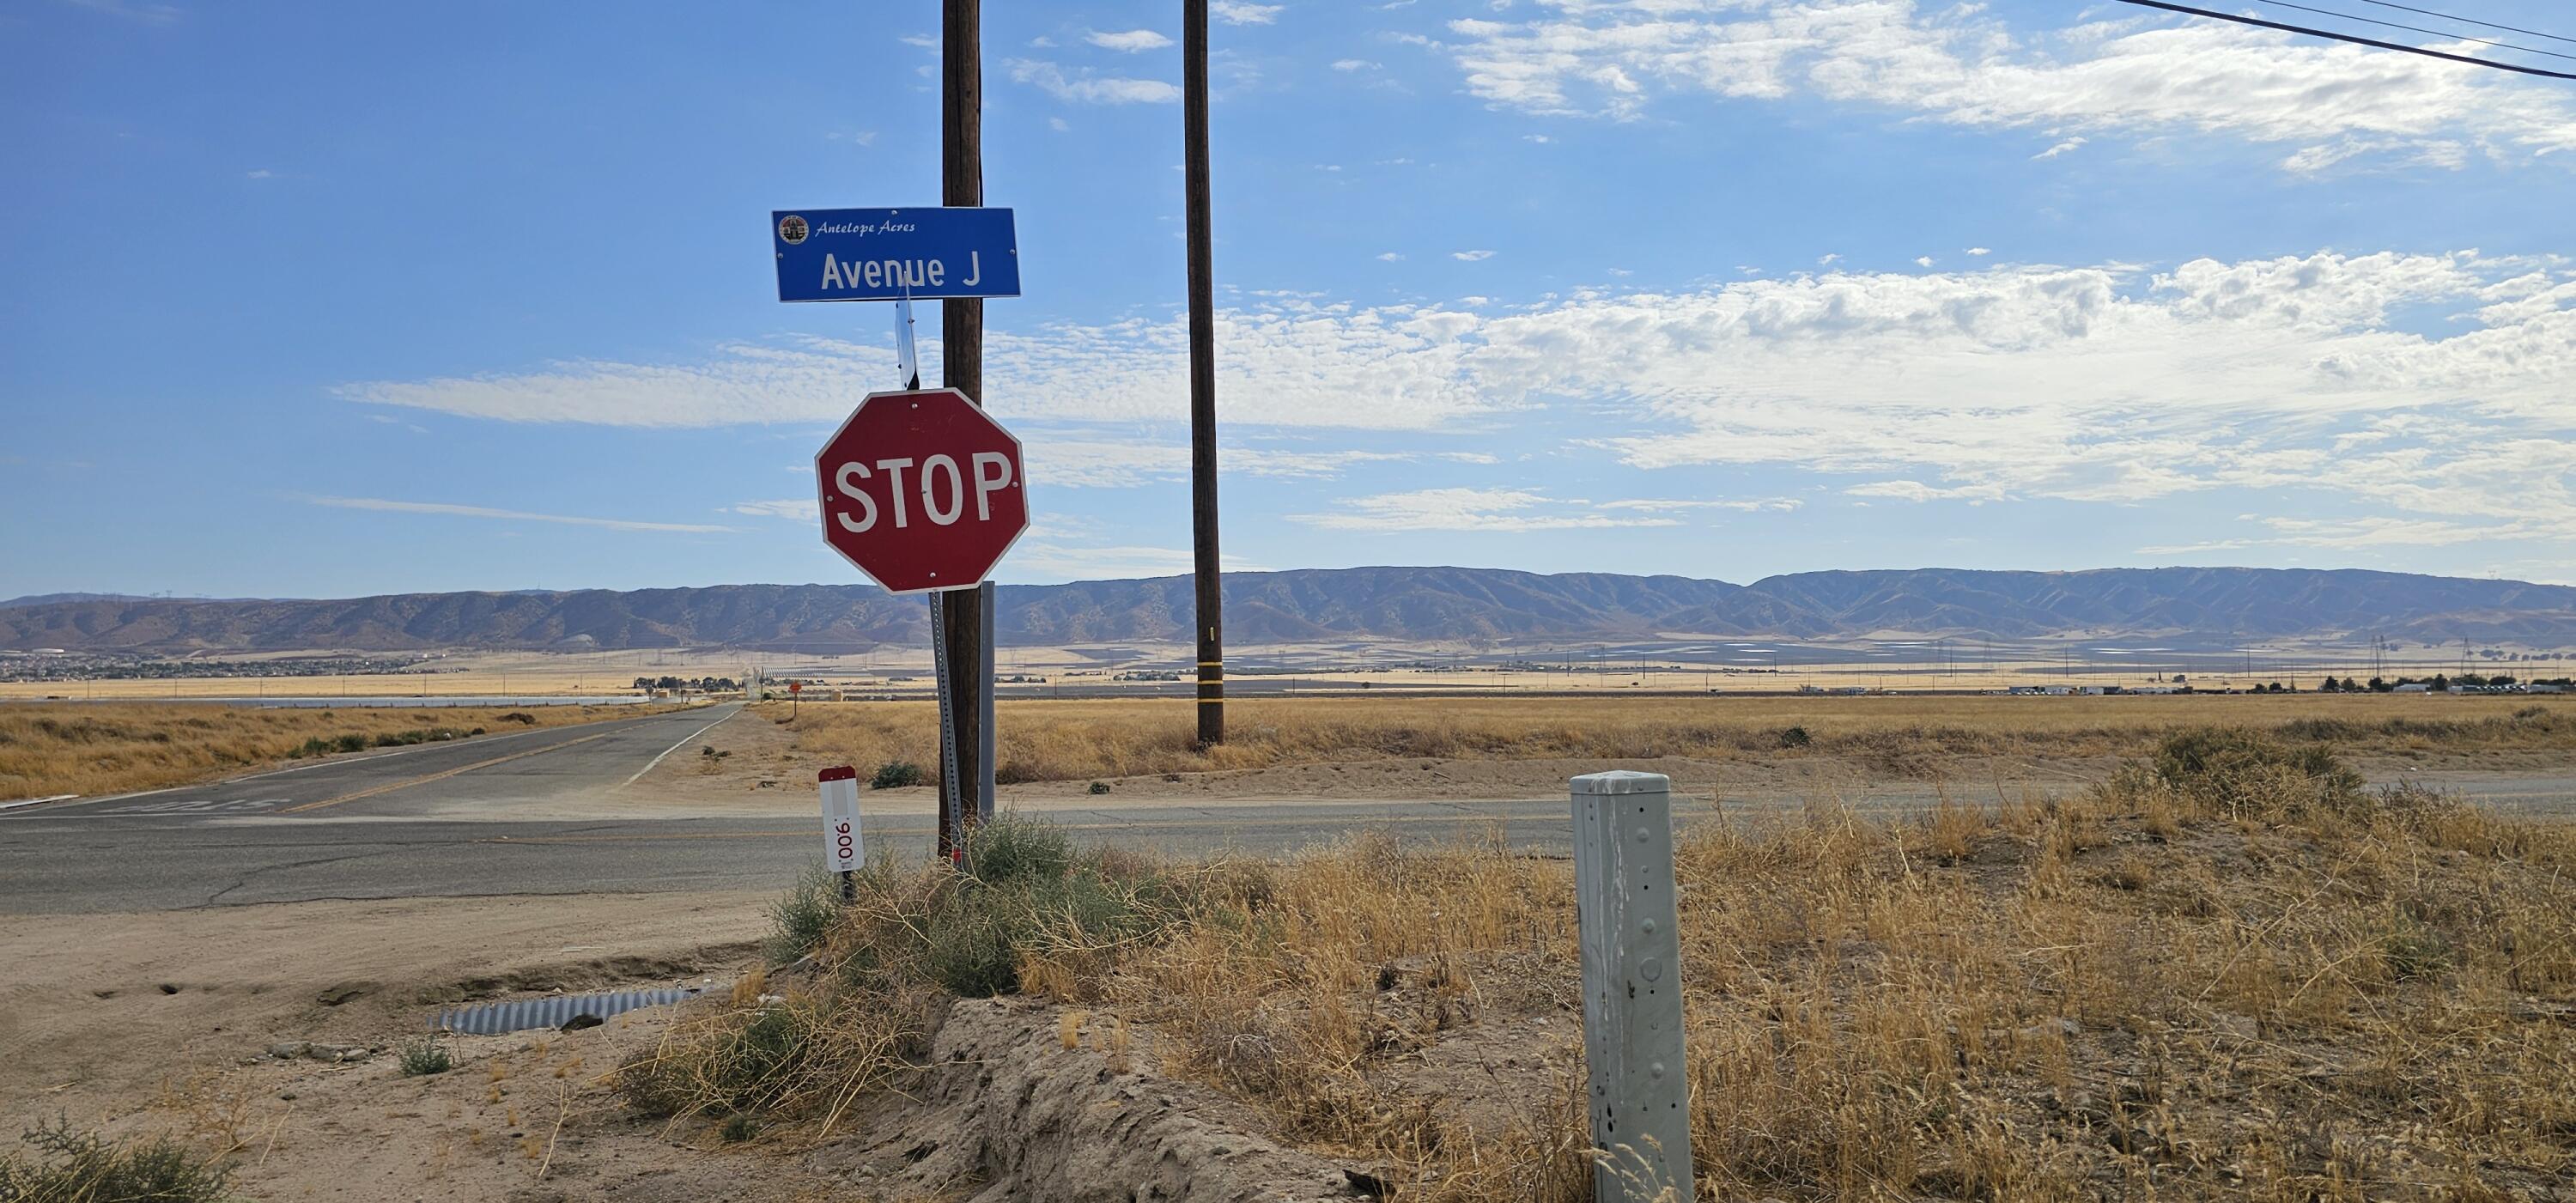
x: 966, y: 613
x: 1211, y: 589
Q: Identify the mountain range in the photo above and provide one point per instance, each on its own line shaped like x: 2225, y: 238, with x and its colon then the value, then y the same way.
x: 1475, y: 605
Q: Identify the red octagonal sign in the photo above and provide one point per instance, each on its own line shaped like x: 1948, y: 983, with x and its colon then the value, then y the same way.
x: 922, y: 491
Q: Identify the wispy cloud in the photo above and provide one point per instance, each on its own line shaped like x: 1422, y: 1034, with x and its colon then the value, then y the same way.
x: 2413, y: 387
x: 1239, y: 12
x: 802, y: 509
x: 1468, y: 509
x: 1086, y: 88
x: 1915, y: 490
x: 1471, y: 256
x: 2068, y: 146
x: 1132, y: 41
x: 1964, y: 65
x: 476, y: 511
x: 140, y: 14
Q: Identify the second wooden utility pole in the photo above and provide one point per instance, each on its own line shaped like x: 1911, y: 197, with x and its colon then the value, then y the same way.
x: 1211, y: 594
x: 967, y: 614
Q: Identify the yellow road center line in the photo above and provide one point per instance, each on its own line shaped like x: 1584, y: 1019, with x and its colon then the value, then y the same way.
x: 441, y: 776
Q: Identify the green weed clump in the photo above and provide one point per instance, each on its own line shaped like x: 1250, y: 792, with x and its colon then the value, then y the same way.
x: 896, y: 774
x: 2248, y: 774
x: 81, y: 1167
x: 1027, y: 912
x: 426, y: 1056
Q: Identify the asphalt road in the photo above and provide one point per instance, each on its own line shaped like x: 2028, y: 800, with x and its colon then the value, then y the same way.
x: 447, y: 820
x: 386, y: 825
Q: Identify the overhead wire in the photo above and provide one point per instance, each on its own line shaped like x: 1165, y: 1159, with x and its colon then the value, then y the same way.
x: 2352, y: 38
x: 2417, y: 29
x: 2470, y: 20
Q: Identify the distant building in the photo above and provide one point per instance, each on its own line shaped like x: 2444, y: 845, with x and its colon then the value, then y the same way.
x: 2413, y: 687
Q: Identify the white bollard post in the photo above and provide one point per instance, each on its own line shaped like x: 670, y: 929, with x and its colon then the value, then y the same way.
x: 1632, y: 996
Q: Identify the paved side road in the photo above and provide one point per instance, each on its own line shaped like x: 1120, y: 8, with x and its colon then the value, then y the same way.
x: 444, y: 820
x: 438, y: 820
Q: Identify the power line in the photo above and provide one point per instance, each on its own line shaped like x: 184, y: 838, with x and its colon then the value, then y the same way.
x: 2471, y: 21
x: 2417, y: 29
x: 2345, y: 37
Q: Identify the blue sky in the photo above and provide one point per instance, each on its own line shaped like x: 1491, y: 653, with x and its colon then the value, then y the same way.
x: 360, y: 299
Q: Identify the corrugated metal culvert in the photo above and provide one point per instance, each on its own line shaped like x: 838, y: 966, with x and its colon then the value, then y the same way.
x: 554, y: 1011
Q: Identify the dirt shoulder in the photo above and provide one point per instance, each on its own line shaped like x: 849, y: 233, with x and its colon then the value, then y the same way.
x: 102, y: 1012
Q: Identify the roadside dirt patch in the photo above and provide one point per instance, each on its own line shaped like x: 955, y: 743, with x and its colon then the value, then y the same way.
x: 104, y: 1011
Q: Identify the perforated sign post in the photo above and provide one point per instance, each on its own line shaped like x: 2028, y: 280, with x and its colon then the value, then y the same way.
x: 1632, y: 986
x: 843, y: 848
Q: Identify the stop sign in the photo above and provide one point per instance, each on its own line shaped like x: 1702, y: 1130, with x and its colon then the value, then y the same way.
x: 921, y: 490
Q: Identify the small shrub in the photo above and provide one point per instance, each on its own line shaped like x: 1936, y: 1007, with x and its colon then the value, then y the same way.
x: 738, y: 1128
x: 2413, y: 951
x: 1007, y: 849
x: 1795, y: 737
x: 518, y: 716
x: 800, y: 917
x: 1099, y: 787
x: 426, y: 1056
x: 896, y: 774
x: 2241, y: 772
x: 80, y: 1167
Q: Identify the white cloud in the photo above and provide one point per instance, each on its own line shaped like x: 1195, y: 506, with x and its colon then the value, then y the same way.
x: 1238, y: 12
x: 2410, y: 387
x: 476, y: 511
x: 1059, y: 124
x: 1827, y: 259
x: 1463, y: 509
x: 1923, y: 261
x: 1355, y: 64
x: 1390, y: 256
x: 1090, y: 89
x: 1980, y: 251
x: 1133, y: 41
x: 1471, y: 256
x: 921, y: 40
x: 1964, y: 65
x: 1657, y: 505
x: 258, y: 174
x: 2066, y: 146
x: 1915, y: 490
x: 802, y: 509
x: 1062, y: 460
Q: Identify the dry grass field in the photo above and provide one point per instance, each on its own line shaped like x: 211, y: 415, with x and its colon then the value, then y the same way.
x: 1908, y: 736
x: 2229, y: 973
x: 112, y: 747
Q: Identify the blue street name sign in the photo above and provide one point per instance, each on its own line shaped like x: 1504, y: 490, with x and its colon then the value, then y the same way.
x: 887, y: 254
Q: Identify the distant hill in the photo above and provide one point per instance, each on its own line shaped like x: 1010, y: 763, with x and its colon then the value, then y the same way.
x: 48, y: 599
x: 1417, y: 604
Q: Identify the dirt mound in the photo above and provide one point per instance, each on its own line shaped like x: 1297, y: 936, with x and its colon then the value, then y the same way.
x: 1034, y: 1103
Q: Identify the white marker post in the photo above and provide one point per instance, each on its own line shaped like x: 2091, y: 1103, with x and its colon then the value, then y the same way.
x: 842, y: 846
x: 1632, y: 986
